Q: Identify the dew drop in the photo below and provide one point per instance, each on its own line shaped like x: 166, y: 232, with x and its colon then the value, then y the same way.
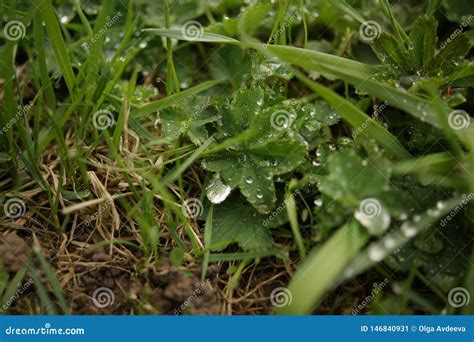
x: 390, y: 242
x: 376, y: 253
x: 408, y: 229
x: 318, y: 201
x: 249, y: 180
x: 217, y: 191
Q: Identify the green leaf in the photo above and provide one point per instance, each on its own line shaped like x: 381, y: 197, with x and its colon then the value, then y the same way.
x: 57, y: 41
x: 173, y: 99
x: 235, y: 221
x: 188, y: 118
x: 351, y: 179
x: 252, y: 169
x: 394, y: 50
x: 452, y: 52
x: 202, y: 37
x: 423, y: 36
x: 231, y: 63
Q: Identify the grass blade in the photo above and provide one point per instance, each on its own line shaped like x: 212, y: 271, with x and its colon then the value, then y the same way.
x: 322, y: 267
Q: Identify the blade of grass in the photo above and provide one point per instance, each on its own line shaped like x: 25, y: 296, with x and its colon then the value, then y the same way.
x: 207, y: 243
x: 173, y: 99
x: 176, y: 172
x: 53, y: 281
x: 58, y: 44
x: 316, y: 275
x: 356, y: 118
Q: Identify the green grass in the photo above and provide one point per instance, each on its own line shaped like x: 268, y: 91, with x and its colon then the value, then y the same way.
x: 246, y: 138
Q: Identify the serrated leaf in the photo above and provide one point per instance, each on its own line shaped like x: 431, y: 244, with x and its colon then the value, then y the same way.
x: 235, y: 221
x: 393, y: 49
x: 230, y: 63
x: 190, y: 117
x: 452, y: 52
x: 351, y: 179
x: 423, y: 36
x: 252, y: 169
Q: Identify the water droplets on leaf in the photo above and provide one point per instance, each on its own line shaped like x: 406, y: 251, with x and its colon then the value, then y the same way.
x: 409, y: 229
x: 318, y: 201
x: 376, y: 253
x: 217, y: 191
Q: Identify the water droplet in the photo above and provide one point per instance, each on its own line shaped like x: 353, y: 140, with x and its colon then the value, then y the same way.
x: 260, y: 101
x: 408, y: 229
x: 259, y: 195
x: 249, y: 180
x: 376, y: 253
x: 389, y: 242
x: 440, y: 205
x: 403, y: 216
x: 217, y: 191
x: 318, y: 201
x: 316, y: 162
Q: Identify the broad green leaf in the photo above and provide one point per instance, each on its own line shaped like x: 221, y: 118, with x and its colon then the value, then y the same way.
x: 235, y: 221
x: 250, y: 19
x: 230, y: 63
x: 190, y: 117
x: 350, y: 179
x: 252, y: 169
x: 319, y: 271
